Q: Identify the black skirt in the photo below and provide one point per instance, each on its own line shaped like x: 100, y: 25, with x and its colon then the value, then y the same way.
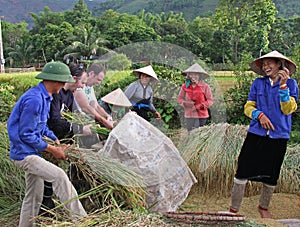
x: 261, y: 158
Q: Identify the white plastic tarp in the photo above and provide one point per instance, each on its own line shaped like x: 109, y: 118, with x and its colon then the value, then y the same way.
x: 146, y: 150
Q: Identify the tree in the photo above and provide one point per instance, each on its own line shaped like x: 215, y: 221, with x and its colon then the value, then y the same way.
x: 244, y: 21
x: 79, y: 14
x: 124, y: 29
x: 21, y: 54
x: 86, y: 43
x: 45, y: 18
x: 203, y: 30
x: 51, y: 40
x: 285, y: 35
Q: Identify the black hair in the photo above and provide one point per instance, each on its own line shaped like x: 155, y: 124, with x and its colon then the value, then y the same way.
x: 76, y: 70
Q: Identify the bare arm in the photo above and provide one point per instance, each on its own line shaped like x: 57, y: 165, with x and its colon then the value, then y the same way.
x: 82, y: 101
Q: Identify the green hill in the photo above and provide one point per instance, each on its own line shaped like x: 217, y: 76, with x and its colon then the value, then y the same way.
x: 15, y: 11
x: 189, y: 8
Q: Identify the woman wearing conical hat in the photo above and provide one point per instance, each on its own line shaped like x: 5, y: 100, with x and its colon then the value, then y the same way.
x: 115, y: 103
x: 271, y: 102
x: 195, y: 96
x: 140, y: 93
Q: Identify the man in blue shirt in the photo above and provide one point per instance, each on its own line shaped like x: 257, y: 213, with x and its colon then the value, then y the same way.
x: 27, y: 128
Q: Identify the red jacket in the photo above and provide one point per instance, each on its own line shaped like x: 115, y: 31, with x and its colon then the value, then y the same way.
x: 195, y: 100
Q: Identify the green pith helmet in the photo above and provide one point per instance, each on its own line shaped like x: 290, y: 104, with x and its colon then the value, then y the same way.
x: 56, y: 71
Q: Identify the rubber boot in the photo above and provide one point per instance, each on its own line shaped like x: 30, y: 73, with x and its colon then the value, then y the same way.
x: 265, y: 199
x: 237, y: 194
x: 47, y: 202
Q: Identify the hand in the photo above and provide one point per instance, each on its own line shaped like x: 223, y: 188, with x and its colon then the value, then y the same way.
x: 266, y: 123
x: 284, y: 75
x: 109, y: 118
x: 109, y: 124
x: 58, y: 151
x: 57, y: 142
x: 200, y: 106
x: 188, y: 104
x: 157, y: 115
x: 86, y: 130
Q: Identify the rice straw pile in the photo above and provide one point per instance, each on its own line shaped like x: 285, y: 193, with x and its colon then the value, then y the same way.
x: 212, y: 151
x: 12, y: 183
x: 112, y: 183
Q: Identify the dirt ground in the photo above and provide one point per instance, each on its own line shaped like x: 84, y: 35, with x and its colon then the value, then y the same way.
x: 283, y: 206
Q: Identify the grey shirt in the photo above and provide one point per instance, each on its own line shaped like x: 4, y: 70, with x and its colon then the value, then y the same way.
x: 136, y: 92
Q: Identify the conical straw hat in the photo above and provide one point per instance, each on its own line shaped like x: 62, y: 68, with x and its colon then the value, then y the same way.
x: 196, y: 68
x: 256, y: 65
x: 117, y: 97
x: 146, y: 70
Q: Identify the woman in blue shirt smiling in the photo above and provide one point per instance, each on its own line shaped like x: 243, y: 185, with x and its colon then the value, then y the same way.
x: 271, y: 102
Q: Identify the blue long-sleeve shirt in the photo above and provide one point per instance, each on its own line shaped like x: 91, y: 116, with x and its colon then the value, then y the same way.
x: 267, y: 99
x: 27, y: 124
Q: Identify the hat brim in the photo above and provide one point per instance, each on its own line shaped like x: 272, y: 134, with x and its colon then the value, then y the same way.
x: 256, y: 65
x: 196, y: 68
x: 117, y: 98
x: 148, y: 70
x: 54, y: 77
x: 204, y: 75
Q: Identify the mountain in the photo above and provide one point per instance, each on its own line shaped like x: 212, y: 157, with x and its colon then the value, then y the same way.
x: 15, y: 11
x: 190, y: 8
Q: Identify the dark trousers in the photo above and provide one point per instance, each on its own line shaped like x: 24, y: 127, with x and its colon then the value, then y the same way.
x: 192, y: 123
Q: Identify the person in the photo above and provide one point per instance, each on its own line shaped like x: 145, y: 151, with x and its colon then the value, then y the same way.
x: 86, y: 98
x: 195, y: 96
x: 27, y: 128
x: 115, y: 103
x: 140, y: 92
x: 64, y: 101
x: 271, y: 101
x: 62, y: 128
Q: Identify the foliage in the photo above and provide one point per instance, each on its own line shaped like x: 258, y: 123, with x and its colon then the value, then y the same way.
x: 114, y: 80
x: 112, y: 184
x: 118, y: 62
x: 236, y: 97
x: 81, y: 119
x: 122, y: 29
x: 22, y: 53
x: 165, y: 92
x: 20, y: 82
x: 244, y: 21
x: 236, y: 28
x: 7, y: 101
x: 86, y: 42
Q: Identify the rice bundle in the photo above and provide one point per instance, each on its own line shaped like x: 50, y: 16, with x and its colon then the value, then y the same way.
x: 81, y: 119
x: 289, y: 180
x: 212, y: 151
x: 112, y: 183
x: 12, y: 183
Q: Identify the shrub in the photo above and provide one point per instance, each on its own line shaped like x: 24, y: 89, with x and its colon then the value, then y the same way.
x: 118, y: 62
x: 7, y: 100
